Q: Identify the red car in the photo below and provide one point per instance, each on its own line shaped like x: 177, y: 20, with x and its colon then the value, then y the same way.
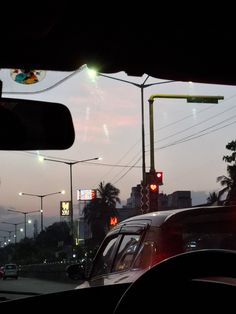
x: 1, y: 272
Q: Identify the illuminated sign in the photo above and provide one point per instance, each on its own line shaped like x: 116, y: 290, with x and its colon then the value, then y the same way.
x: 65, y: 208
x: 86, y: 195
x: 113, y: 221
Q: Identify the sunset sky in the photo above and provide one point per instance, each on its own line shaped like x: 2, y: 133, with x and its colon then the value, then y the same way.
x: 107, y: 120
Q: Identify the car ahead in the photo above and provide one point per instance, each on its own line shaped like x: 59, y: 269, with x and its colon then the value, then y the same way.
x: 10, y: 271
x: 138, y: 243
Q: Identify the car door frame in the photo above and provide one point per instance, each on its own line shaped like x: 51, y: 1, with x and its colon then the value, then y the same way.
x: 113, y: 277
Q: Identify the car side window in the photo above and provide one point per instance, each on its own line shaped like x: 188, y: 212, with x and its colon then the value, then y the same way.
x: 146, y: 256
x: 126, y: 253
x: 103, y: 261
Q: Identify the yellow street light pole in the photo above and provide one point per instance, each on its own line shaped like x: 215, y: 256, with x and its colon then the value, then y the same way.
x: 190, y: 99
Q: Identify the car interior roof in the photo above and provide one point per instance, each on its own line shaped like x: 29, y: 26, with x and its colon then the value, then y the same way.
x: 61, y: 37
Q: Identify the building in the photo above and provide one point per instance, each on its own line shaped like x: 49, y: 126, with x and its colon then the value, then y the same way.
x: 179, y: 199
x: 134, y: 201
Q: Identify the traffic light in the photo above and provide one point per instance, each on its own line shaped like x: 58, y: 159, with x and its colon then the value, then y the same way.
x: 153, y: 187
x: 153, y: 196
x: 159, y: 177
x: 153, y: 191
x: 154, y: 177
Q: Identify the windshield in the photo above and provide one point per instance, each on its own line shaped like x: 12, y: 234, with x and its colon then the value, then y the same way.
x: 57, y: 206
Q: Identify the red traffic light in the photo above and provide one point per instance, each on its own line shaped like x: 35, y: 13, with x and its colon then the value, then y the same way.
x: 159, y: 177
x: 154, y: 177
x: 153, y: 187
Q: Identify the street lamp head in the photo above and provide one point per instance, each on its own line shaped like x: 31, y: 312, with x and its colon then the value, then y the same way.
x: 204, y: 99
x: 40, y: 158
x: 20, y: 193
x: 190, y: 98
x: 63, y: 192
x: 92, y: 73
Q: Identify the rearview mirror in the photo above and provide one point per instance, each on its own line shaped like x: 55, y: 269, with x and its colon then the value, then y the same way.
x: 34, y: 125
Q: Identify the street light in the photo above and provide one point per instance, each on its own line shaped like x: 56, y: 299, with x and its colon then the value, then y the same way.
x: 93, y: 73
x: 41, y: 196
x: 9, y: 234
x: 190, y: 99
x: 70, y: 164
x: 24, y: 213
x: 15, y: 225
x: 4, y: 240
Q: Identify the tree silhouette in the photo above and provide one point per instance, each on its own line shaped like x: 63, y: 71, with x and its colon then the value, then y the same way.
x: 53, y: 234
x: 97, y: 212
x: 229, y: 182
x: 212, y: 198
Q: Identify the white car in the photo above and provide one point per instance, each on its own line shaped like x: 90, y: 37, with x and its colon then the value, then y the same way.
x: 140, y: 242
x: 11, y: 271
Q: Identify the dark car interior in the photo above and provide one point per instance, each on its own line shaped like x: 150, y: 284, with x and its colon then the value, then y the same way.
x: 61, y: 37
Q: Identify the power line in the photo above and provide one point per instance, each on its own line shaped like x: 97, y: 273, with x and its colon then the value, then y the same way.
x: 195, y: 137
x: 131, y: 148
x: 127, y: 171
x: 126, y: 153
x: 179, y: 132
x: 186, y: 139
x: 200, y: 111
x: 111, y: 165
x: 197, y: 124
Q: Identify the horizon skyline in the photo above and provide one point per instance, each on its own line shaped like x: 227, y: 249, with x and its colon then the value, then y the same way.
x: 196, y: 197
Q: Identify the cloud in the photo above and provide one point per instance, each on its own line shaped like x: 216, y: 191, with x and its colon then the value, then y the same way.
x: 102, y: 126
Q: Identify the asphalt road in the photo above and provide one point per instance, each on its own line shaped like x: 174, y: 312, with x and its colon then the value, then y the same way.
x: 12, y: 288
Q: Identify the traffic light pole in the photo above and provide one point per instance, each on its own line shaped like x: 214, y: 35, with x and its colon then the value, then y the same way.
x: 71, y: 201
x: 151, y: 124
x: 154, y: 187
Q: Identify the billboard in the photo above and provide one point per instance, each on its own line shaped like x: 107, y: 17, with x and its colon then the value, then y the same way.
x: 65, y: 208
x: 86, y: 195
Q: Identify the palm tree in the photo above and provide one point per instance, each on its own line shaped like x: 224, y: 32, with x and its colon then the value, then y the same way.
x: 226, y: 182
x: 212, y: 198
x: 98, y: 212
x: 109, y: 197
x: 93, y: 216
x: 229, y: 183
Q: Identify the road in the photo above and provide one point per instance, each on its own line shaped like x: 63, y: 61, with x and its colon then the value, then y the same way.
x: 10, y: 287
